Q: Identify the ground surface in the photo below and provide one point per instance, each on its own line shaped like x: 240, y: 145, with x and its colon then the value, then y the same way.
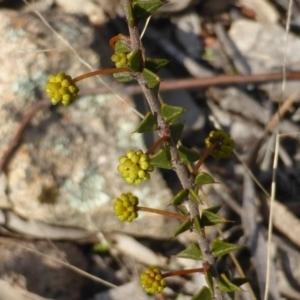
x: 57, y: 185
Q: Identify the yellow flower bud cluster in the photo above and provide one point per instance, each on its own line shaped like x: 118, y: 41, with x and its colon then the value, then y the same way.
x: 135, y: 167
x: 152, y: 280
x: 120, y: 59
x: 61, y: 89
x: 125, y: 207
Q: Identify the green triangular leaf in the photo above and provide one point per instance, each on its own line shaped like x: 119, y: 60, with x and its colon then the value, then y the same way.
x: 187, y: 155
x: 214, y: 209
x: 135, y: 61
x: 194, y: 196
x: 209, y: 281
x: 171, y: 112
x: 240, y: 280
x: 203, y: 294
x: 204, y: 178
x: 148, y: 124
x: 220, y: 248
x: 180, y: 197
x: 208, y: 218
x: 192, y: 252
x: 161, y: 159
x: 122, y: 77
x: 225, y: 285
x: 182, y: 209
x: 197, y: 225
x: 176, y: 131
x: 151, y: 78
x: 154, y: 64
x: 184, y: 226
x: 144, y: 9
x: 121, y: 46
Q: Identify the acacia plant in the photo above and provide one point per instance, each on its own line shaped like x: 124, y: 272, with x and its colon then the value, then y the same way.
x: 167, y: 152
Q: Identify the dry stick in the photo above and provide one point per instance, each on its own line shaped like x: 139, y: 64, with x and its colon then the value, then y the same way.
x: 177, y: 165
x: 16, y: 139
x: 271, y: 125
x: 194, y: 83
x: 285, y: 106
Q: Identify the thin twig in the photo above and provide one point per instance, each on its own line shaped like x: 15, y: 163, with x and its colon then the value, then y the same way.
x: 16, y: 139
x: 194, y: 83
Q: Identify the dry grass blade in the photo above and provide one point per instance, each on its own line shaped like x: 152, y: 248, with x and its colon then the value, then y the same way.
x: 275, y: 164
x: 256, y: 242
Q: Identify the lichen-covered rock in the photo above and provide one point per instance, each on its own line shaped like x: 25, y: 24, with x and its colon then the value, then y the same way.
x: 65, y: 170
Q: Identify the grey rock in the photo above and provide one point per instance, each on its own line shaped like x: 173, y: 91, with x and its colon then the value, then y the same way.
x: 64, y: 171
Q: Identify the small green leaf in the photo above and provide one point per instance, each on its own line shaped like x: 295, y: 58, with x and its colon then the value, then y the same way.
x: 197, y: 225
x: 209, y: 218
x: 225, y: 285
x: 214, y: 209
x: 184, y: 226
x: 182, y: 209
x: 209, y: 281
x: 187, y: 155
x: 151, y: 78
x: 171, y: 112
x: 192, y: 252
x: 203, y: 294
x: 180, y: 197
x: 148, y: 124
x: 176, y: 131
x: 121, y: 46
x: 220, y: 248
x: 122, y: 77
x: 240, y: 280
x: 161, y: 159
x: 154, y: 64
x: 144, y: 9
x: 135, y: 61
x: 194, y: 196
x: 204, y: 178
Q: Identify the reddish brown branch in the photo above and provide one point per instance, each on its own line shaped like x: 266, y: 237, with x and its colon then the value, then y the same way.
x: 162, y: 212
x: 101, y: 72
x: 194, y: 83
x: 16, y: 139
x: 186, y: 272
x: 116, y: 38
x: 203, y: 157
